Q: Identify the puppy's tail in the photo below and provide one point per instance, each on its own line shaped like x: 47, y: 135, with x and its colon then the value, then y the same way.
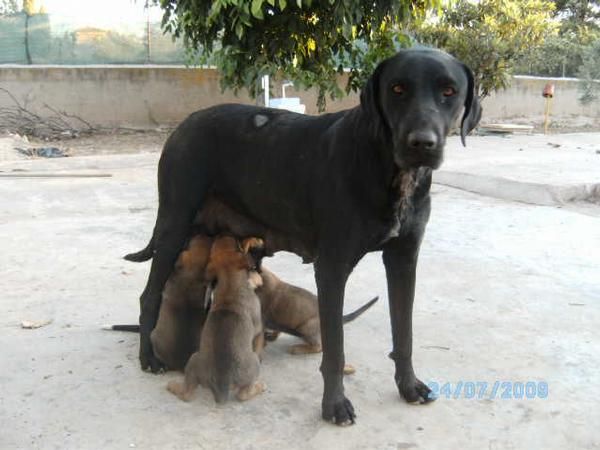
x: 143, y: 255
x: 354, y: 314
x: 130, y: 328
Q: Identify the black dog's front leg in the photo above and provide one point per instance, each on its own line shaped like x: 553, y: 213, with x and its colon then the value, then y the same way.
x: 331, y: 281
x: 400, y: 258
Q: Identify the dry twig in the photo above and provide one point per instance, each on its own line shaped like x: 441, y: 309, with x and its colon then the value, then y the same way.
x: 18, y: 119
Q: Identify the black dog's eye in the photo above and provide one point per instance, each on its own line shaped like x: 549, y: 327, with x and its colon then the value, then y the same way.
x: 398, y: 89
x: 448, y: 91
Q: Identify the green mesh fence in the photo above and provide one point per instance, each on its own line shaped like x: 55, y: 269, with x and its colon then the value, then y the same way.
x: 51, y: 39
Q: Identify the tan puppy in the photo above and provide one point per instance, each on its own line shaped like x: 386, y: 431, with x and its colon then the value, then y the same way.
x: 182, y: 311
x: 295, y: 311
x: 232, y: 337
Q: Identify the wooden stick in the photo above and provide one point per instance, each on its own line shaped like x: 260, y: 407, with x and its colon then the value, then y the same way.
x: 55, y: 175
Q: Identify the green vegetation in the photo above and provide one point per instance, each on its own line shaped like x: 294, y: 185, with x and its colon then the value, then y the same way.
x: 306, y: 41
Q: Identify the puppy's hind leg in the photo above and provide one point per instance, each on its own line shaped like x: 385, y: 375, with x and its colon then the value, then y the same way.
x: 310, y: 331
x: 185, y: 389
x: 247, y: 380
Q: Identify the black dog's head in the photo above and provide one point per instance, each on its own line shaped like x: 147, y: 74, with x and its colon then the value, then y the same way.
x: 414, y: 98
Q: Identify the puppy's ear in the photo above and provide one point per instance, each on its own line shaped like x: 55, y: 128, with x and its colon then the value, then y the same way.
x: 249, y: 244
x: 370, y: 101
x: 254, y: 248
x: 473, y: 109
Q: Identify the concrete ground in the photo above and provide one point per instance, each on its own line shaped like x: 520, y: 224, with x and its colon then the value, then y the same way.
x: 507, y: 292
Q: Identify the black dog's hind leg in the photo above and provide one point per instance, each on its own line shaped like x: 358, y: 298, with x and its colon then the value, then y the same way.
x: 331, y: 279
x: 170, y: 237
x: 400, y: 259
x: 181, y: 191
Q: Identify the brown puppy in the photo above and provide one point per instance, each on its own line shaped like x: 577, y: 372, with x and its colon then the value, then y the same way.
x: 232, y: 337
x: 295, y: 311
x: 182, y: 311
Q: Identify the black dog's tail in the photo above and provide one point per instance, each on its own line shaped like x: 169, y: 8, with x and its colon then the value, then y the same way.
x: 354, y: 314
x: 131, y: 328
x: 144, y: 254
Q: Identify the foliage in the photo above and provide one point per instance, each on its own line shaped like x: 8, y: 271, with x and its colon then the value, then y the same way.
x: 560, y: 55
x: 9, y: 6
x: 490, y: 35
x: 576, y: 14
x: 589, y: 72
x: 307, y: 41
x: 31, y: 7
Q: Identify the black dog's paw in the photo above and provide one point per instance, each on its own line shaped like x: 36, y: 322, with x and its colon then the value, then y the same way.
x: 340, y: 412
x: 151, y: 363
x: 415, y: 391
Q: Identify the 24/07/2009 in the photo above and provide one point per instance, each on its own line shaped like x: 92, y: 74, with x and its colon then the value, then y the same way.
x: 505, y: 390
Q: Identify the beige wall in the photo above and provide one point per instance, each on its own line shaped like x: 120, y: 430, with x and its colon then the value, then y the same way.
x: 150, y: 96
x: 524, y: 99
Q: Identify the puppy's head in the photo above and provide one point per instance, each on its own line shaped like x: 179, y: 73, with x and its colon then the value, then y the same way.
x: 413, y: 100
x: 254, y: 249
x: 227, y: 254
x: 193, y: 260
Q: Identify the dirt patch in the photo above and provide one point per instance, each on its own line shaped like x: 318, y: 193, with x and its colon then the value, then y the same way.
x: 100, y: 143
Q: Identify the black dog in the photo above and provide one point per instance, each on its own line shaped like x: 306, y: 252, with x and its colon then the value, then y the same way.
x: 337, y: 185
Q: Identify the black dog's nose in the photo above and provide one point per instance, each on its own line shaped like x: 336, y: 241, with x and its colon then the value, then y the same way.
x: 422, y: 140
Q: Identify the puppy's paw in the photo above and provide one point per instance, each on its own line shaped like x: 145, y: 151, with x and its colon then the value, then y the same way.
x: 415, y: 391
x: 340, y: 412
x: 304, y: 349
x: 177, y: 388
x: 247, y: 392
x: 349, y: 369
x: 254, y: 279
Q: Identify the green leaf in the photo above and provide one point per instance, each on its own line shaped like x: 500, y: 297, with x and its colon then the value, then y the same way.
x: 282, y: 4
x: 239, y: 30
x: 256, y: 9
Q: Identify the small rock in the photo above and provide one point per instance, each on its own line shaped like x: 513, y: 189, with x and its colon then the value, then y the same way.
x: 31, y: 324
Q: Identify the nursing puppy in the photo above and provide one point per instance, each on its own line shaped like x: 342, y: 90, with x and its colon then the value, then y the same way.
x: 295, y: 311
x: 232, y: 337
x: 183, y: 311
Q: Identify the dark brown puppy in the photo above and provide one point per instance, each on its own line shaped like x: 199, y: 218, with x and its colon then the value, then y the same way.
x: 295, y: 311
x: 232, y: 337
x: 182, y: 311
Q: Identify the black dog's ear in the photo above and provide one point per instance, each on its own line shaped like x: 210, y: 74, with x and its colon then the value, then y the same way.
x: 369, y: 100
x: 473, y: 109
